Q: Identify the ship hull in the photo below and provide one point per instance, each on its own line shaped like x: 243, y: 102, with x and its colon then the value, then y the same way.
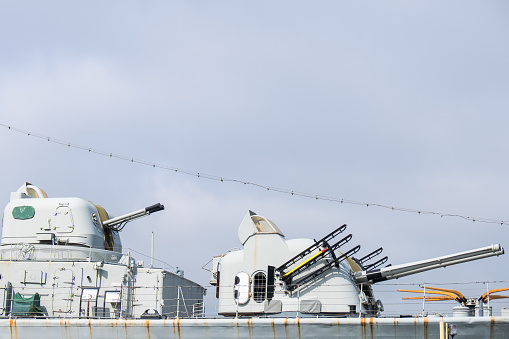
x: 433, y: 327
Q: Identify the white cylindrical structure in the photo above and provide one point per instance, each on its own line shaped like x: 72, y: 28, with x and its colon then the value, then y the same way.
x: 460, y: 311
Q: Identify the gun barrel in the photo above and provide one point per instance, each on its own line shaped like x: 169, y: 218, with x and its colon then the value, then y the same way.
x: 133, y: 215
x: 398, y: 271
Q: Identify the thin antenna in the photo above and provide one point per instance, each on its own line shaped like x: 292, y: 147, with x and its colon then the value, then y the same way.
x: 152, y: 252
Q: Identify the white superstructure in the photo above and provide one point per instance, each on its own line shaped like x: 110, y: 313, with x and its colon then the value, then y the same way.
x: 68, y: 252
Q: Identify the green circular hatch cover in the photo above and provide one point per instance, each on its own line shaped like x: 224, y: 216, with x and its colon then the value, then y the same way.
x: 23, y: 212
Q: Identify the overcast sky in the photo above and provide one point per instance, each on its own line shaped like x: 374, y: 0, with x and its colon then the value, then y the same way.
x: 390, y: 102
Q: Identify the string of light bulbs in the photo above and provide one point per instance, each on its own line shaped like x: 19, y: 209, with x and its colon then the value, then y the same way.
x: 239, y: 181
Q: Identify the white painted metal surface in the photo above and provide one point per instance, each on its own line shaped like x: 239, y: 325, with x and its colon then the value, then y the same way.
x: 344, y: 328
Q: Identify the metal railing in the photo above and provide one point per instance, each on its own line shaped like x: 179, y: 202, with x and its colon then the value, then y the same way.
x: 69, y: 303
x: 25, y: 252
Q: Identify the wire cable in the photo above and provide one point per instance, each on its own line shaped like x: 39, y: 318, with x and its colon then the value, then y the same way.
x: 258, y: 185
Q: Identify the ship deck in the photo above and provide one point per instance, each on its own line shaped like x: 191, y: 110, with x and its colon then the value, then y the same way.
x: 419, y: 327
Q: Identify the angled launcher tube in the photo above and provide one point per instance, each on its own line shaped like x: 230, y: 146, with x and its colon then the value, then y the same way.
x: 313, y: 259
x: 376, y: 263
x: 398, y: 271
x: 371, y: 255
x: 320, y: 271
x: 310, y: 249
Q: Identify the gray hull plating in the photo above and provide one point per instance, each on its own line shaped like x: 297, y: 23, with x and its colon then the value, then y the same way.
x: 467, y: 327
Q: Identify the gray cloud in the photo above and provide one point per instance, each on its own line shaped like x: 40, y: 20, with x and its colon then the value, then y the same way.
x: 396, y: 103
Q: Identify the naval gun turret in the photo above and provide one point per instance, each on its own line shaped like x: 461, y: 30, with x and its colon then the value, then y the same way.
x: 32, y: 218
x: 65, y: 255
x: 275, y: 276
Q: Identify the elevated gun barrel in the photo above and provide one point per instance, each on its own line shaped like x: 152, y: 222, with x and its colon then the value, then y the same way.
x: 398, y: 271
x: 115, y: 223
